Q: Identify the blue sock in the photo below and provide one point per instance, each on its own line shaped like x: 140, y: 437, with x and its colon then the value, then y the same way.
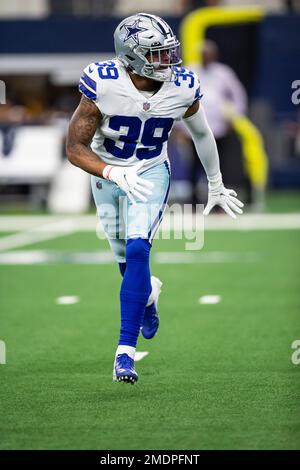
x: 122, y: 267
x: 151, y: 309
x: 135, y: 290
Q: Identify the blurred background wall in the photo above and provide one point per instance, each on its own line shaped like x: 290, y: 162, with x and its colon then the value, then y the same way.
x: 45, y: 44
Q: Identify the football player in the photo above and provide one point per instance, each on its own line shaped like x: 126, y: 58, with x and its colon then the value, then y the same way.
x: 119, y: 135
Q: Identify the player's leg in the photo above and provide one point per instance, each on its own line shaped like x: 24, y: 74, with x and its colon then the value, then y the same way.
x: 141, y: 223
x: 106, y: 196
x: 157, y: 202
x: 109, y: 200
x: 150, y: 322
x: 161, y: 177
x: 134, y: 294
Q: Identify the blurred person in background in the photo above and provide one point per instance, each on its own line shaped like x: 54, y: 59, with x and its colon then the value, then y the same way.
x: 221, y: 90
x: 12, y: 116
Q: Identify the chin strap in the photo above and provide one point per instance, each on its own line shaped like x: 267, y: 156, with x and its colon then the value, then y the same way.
x: 161, y: 76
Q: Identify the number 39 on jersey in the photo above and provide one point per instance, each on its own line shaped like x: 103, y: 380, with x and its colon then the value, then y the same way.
x: 135, y: 127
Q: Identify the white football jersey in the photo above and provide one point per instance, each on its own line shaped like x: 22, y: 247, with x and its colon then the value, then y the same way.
x: 135, y: 127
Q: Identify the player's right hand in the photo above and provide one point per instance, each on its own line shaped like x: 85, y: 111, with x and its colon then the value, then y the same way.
x: 127, y: 179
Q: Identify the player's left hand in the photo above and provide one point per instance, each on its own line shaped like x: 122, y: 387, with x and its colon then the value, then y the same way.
x: 225, y: 198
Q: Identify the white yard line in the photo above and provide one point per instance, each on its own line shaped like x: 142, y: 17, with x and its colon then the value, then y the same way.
x: 10, y: 223
x: 192, y: 257
x: 213, y: 222
x: 18, y: 258
x: 209, y: 299
x: 67, y: 300
x: 34, y: 229
x: 107, y: 257
x: 42, y: 232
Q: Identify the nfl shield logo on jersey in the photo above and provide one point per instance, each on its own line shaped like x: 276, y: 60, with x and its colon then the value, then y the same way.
x: 146, y: 106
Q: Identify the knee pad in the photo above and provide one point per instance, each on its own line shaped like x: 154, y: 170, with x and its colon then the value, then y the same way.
x: 137, y: 249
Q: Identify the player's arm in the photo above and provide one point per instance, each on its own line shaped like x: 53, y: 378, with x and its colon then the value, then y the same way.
x: 82, y: 128
x: 206, y: 147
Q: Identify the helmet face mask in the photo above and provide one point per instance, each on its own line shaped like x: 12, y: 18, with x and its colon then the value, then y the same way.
x: 147, y: 46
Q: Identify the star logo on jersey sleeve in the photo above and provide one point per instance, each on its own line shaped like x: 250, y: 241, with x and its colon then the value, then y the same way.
x: 132, y: 31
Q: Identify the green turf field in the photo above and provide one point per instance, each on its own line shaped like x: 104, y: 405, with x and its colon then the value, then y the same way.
x: 276, y: 201
x: 216, y: 377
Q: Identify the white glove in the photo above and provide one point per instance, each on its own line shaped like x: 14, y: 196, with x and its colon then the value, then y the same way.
x: 218, y: 195
x: 127, y: 179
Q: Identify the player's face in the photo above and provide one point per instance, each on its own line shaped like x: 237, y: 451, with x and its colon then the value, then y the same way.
x: 162, y: 57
